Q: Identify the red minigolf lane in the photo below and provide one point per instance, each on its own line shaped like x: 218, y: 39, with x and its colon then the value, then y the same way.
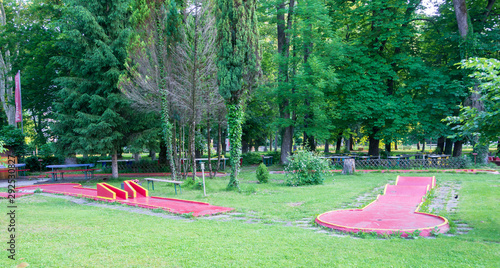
x: 110, y: 193
x: 394, y: 212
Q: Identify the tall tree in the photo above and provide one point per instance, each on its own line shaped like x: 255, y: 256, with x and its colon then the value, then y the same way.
x: 7, y: 19
x: 35, y: 37
x: 91, y: 111
x: 468, y: 49
x: 238, y: 65
x: 149, y: 81
x: 195, y: 53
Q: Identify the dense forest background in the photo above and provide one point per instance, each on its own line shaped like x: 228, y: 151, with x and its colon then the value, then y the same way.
x: 100, y: 77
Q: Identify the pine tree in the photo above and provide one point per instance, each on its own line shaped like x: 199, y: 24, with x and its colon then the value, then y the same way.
x: 91, y: 112
x: 238, y: 66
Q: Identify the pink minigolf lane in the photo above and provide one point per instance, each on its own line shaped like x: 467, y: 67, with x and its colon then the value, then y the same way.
x: 396, y: 211
x: 133, y: 195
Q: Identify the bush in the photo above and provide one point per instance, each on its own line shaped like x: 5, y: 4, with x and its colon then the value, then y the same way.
x: 32, y: 163
x: 88, y: 160
x: 262, y: 173
x: 13, y: 138
x: 195, y: 184
x: 251, y: 158
x: 305, y: 168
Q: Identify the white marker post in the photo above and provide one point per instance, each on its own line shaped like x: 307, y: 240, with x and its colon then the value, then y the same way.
x: 203, y: 175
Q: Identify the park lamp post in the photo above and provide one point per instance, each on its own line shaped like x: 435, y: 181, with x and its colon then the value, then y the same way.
x: 203, y: 175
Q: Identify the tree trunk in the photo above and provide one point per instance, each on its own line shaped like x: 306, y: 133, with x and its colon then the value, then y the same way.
x: 283, y: 75
x: 395, y: 145
x: 224, y: 145
x: 448, y: 147
x: 373, y: 145
x: 309, y: 143
x: 152, y: 154
x: 349, y: 167
x: 192, y: 149
x: 418, y: 145
x: 245, y: 148
x: 351, y: 143
x: 338, y: 144
x: 347, y: 144
x: 276, y: 142
x: 327, y: 147
x: 162, y: 158
x: 440, y: 145
x: 137, y: 156
x: 286, y: 144
x: 457, y: 148
x: 114, y: 165
x: 234, y: 119
x: 219, y: 146
x: 462, y: 17
x: 209, y: 145
x: 388, y: 148
x: 423, y: 146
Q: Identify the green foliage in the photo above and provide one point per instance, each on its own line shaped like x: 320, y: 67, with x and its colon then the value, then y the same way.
x: 262, y: 173
x: 2, y: 148
x: 305, y: 168
x: 92, y: 115
x: 39, y: 163
x: 254, y: 158
x: 484, y: 121
x: 251, y: 158
x: 14, y: 138
x: 196, y: 184
x: 32, y: 163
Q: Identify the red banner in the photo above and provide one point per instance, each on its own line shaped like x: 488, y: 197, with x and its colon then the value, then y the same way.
x: 19, y: 108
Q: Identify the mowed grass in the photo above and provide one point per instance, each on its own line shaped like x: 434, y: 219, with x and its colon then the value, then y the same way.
x: 54, y: 232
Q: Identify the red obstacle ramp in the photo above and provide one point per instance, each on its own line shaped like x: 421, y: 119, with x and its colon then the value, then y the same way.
x: 110, y: 193
x: 394, y: 212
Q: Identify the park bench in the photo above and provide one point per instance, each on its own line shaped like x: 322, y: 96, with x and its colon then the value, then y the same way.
x: 62, y: 171
x: 152, y: 181
x: 267, y: 160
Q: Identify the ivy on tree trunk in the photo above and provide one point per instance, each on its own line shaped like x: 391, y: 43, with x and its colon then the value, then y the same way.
x: 234, y: 119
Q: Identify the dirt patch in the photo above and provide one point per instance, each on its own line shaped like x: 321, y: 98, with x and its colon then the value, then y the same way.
x: 296, y: 204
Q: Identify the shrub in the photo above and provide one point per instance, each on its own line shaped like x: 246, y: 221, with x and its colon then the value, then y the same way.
x: 305, y: 168
x: 13, y: 138
x: 32, y: 163
x: 195, y: 184
x: 262, y: 173
x: 251, y: 158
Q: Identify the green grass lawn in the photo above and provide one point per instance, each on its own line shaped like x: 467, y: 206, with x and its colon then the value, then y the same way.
x: 54, y: 232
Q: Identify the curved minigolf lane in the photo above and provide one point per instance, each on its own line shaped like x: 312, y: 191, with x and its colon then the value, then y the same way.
x: 394, y: 212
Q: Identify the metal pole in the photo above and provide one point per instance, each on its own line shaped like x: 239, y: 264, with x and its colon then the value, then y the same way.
x: 203, y: 175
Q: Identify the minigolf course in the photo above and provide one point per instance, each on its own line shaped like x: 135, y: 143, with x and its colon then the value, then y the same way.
x: 394, y: 212
x: 133, y: 194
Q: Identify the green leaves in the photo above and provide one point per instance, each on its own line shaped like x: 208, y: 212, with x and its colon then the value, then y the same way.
x: 477, y: 120
x: 92, y: 115
x: 305, y: 168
